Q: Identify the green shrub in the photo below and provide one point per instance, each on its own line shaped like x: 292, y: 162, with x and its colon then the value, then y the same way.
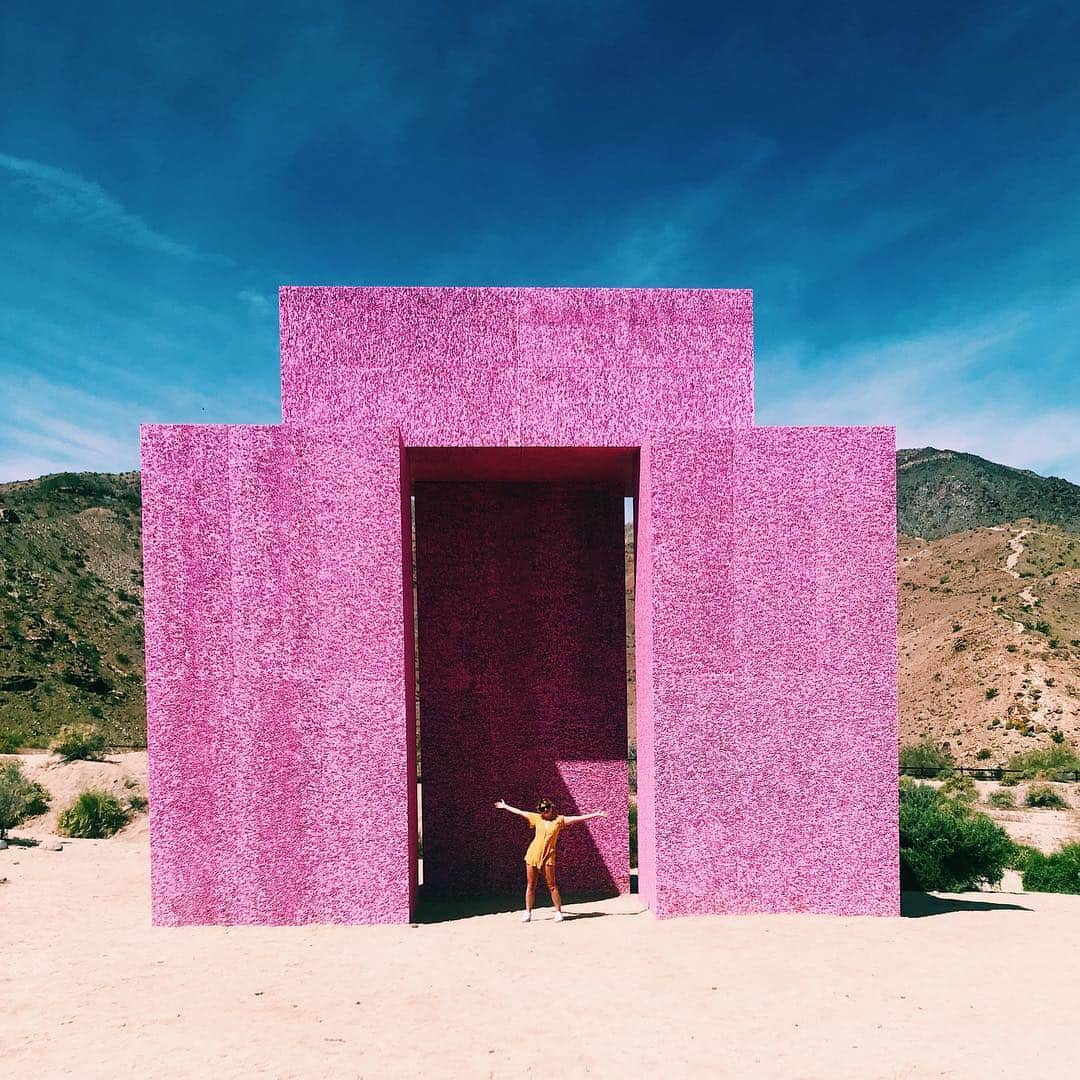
x: 927, y: 759
x: 10, y: 741
x: 1022, y: 856
x: 945, y: 846
x: 960, y: 787
x: 137, y: 803
x: 1048, y: 764
x: 1044, y: 797
x: 1058, y: 873
x: 93, y: 815
x: 983, y: 755
x: 633, y: 833
x: 20, y: 797
x: 992, y: 692
x: 1003, y: 800
x: 78, y: 742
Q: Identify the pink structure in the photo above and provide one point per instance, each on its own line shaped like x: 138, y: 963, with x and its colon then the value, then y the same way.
x: 280, y: 613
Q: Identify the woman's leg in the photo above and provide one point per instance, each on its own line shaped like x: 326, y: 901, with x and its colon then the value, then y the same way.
x: 549, y: 878
x: 531, y: 874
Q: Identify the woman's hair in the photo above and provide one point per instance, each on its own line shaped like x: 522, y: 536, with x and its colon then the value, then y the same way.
x: 544, y: 805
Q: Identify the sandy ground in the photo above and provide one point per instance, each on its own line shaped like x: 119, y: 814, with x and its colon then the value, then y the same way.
x: 89, y: 989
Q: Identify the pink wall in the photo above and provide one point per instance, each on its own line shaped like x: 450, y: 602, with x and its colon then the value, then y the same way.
x: 771, y: 555
x: 518, y: 367
x: 520, y: 590
x: 278, y: 666
x: 277, y: 724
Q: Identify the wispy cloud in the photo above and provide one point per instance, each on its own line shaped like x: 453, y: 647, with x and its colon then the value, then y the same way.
x: 948, y: 388
x: 254, y: 301
x: 58, y: 428
x: 71, y: 197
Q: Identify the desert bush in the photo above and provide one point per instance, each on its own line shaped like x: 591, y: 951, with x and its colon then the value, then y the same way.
x: 926, y: 758
x: 961, y: 788
x: 20, y: 797
x: 945, y: 846
x: 93, y: 815
x: 1059, y: 872
x: 10, y: 741
x: 1044, y: 797
x: 1050, y: 764
x: 78, y: 742
x: 137, y: 803
x: 992, y: 692
x: 983, y: 755
x: 1003, y: 800
x: 1022, y: 855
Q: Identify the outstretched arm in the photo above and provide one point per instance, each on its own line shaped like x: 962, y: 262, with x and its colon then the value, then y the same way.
x: 501, y: 805
x: 583, y: 817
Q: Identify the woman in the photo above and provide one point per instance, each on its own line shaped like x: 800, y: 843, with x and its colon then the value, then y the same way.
x: 541, y: 853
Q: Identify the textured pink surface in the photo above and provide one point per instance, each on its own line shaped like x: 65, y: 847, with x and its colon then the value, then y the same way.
x: 771, y: 556
x: 277, y: 726
x: 279, y: 667
x: 520, y: 593
x: 518, y: 367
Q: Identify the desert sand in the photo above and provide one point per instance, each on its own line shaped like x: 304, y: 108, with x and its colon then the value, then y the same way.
x: 90, y: 989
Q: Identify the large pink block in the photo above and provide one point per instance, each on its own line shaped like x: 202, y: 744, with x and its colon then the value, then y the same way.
x: 277, y: 721
x: 279, y: 643
x: 771, y: 725
x: 518, y: 367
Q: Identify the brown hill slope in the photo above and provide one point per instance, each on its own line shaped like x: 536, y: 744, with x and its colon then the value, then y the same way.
x: 990, y: 638
x: 71, y: 635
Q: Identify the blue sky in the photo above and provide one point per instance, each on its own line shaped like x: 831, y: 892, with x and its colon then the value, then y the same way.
x: 897, y: 183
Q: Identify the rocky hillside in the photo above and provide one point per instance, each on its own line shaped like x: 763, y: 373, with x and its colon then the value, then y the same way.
x: 71, y: 640
x: 940, y: 492
x: 990, y: 639
x: 989, y: 577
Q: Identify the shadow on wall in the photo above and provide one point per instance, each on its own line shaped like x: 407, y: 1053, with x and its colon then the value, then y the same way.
x: 491, y: 843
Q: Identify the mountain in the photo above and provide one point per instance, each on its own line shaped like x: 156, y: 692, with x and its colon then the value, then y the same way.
x: 989, y: 639
x: 984, y: 636
x: 939, y: 492
x: 71, y: 637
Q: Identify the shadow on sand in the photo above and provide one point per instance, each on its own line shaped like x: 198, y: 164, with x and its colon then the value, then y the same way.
x: 436, y: 909
x: 916, y: 905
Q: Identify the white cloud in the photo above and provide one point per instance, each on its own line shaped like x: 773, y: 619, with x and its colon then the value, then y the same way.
x: 255, y: 302
x: 944, y: 388
x: 74, y: 198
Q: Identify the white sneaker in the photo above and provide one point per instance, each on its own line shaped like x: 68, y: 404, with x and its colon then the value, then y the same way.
x: 559, y: 916
x: 526, y: 916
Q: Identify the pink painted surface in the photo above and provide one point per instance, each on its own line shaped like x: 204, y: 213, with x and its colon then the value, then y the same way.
x: 518, y: 367
x: 277, y: 723
x: 520, y: 593
x: 278, y: 665
x: 772, y: 729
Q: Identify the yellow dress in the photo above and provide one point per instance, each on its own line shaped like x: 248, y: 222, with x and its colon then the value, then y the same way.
x: 541, y: 851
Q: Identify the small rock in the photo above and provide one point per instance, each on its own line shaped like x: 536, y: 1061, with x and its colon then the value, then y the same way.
x: 3, y: 844
x: 52, y: 845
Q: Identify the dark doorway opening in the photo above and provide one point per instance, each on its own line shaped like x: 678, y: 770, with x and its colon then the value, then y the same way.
x: 521, y: 620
